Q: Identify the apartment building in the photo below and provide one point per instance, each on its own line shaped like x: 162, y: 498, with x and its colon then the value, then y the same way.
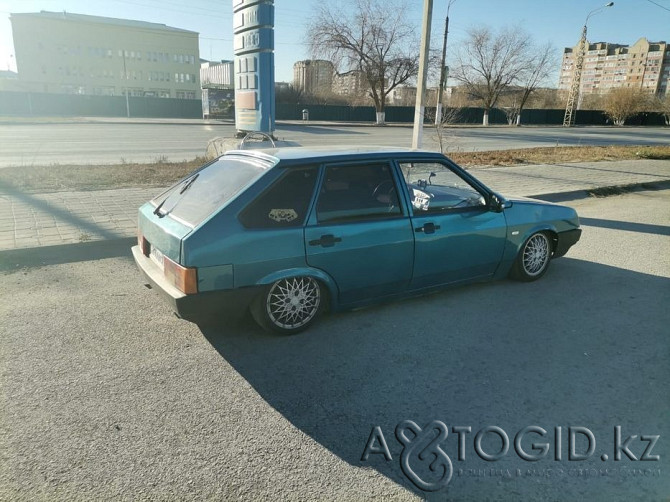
x: 65, y: 53
x: 313, y: 76
x: 351, y: 83
x: 644, y: 65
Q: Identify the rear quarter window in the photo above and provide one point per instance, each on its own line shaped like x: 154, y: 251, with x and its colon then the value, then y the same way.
x: 284, y: 204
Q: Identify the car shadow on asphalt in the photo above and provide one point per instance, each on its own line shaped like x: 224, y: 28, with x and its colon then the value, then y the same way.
x: 558, y: 352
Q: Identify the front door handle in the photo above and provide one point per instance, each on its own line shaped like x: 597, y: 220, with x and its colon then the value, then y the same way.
x: 326, y: 241
x: 428, y: 228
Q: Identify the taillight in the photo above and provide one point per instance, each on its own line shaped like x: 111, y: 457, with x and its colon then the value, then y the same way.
x: 183, y: 278
x: 142, y: 243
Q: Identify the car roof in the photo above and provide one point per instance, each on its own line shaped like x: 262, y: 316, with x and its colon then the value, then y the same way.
x: 301, y: 155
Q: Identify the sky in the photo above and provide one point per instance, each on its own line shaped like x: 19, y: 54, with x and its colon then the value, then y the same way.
x: 555, y: 21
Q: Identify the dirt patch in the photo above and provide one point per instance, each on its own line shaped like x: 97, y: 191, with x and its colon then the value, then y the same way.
x: 558, y: 155
x: 160, y: 174
x: 65, y: 177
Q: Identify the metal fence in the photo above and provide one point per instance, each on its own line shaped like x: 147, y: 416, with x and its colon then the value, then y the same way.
x: 74, y: 105
x: 405, y: 114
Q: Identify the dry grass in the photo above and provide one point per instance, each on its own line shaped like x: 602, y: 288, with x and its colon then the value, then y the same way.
x: 65, y: 177
x: 161, y: 173
x: 557, y: 155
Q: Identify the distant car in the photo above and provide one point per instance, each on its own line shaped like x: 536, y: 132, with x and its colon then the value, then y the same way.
x: 289, y: 232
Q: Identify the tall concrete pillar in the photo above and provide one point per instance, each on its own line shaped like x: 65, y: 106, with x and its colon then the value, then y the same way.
x: 253, y: 29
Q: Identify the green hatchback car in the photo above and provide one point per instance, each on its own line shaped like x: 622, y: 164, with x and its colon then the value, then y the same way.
x: 290, y: 232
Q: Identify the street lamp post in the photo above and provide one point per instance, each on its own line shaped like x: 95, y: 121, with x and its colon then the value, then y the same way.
x: 419, y: 108
x: 443, y: 70
x: 573, y: 95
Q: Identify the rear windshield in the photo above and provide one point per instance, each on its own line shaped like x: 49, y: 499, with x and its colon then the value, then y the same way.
x: 204, y: 191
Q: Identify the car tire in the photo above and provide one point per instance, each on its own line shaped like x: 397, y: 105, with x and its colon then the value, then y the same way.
x: 533, y: 259
x: 289, y: 306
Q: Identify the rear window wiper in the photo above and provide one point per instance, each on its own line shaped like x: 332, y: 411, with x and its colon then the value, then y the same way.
x: 157, y: 211
x: 188, y: 184
x: 185, y: 187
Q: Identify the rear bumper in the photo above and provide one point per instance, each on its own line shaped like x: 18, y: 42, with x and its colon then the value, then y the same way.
x: 566, y: 240
x: 200, y: 308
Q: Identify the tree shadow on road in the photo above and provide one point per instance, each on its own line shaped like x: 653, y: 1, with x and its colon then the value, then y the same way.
x: 628, y: 226
x: 585, y: 346
x: 321, y: 130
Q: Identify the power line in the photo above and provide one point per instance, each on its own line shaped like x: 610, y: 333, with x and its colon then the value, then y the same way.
x: 659, y: 5
x: 172, y: 10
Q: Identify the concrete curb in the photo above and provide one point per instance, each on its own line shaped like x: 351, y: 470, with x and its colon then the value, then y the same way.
x: 583, y: 194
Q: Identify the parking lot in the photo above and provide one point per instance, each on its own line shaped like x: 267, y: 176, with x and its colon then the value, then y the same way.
x: 105, y: 394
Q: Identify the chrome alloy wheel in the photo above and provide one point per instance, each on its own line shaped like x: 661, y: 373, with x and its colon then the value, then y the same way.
x: 292, y: 303
x: 536, y: 254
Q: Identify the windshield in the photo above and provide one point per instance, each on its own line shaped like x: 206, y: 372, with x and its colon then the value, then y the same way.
x: 200, y: 194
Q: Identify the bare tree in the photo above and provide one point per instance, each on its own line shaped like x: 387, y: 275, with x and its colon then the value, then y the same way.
x: 547, y: 98
x: 662, y: 105
x: 442, y: 133
x: 621, y: 103
x: 540, y: 61
x: 510, y: 102
x: 371, y: 37
x: 488, y: 62
x: 290, y: 94
x: 593, y: 101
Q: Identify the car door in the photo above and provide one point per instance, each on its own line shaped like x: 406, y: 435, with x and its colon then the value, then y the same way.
x: 457, y: 236
x: 359, y: 232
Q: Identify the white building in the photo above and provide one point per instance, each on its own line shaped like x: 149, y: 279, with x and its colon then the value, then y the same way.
x: 59, y: 52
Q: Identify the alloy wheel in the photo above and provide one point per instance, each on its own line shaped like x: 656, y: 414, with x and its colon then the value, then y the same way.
x: 292, y: 303
x: 536, y: 254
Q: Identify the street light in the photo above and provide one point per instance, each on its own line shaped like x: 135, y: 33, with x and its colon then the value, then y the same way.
x: 595, y: 11
x: 443, y: 70
x: 573, y: 96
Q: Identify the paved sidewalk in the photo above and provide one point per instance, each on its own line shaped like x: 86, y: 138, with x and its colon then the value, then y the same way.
x: 46, y: 219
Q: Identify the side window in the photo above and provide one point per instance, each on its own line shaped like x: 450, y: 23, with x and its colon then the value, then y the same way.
x: 433, y: 187
x: 365, y: 191
x: 284, y: 204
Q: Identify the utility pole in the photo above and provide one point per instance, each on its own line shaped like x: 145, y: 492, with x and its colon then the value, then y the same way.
x: 125, y: 76
x: 573, y: 95
x: 443, y: 70
x: 419, y: 108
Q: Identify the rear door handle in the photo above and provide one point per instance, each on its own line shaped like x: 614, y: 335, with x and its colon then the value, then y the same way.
x: 428, y: 228
x: 326, y: 241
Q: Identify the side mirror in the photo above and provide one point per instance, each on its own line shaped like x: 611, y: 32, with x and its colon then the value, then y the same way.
x: 496, y: 204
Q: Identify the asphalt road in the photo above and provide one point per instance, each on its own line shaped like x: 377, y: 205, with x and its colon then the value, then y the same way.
x: 112, y: 143
x: 106, y: 395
